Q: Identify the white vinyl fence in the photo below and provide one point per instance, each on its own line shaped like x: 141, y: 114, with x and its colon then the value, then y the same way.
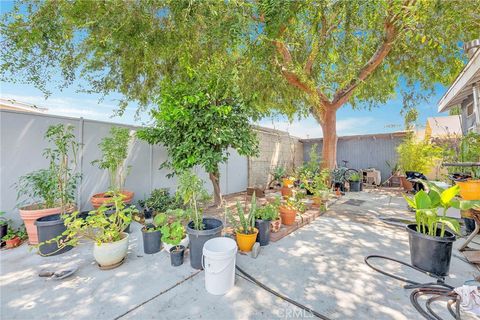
x: 22, y: 144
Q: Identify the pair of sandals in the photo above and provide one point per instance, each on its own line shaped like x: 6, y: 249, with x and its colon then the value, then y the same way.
x: 57, y: 275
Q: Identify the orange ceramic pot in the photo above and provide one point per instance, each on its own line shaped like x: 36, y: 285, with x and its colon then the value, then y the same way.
x: 245, y: 242
x: 276, y: 225
x: 31, y: 213
x: 98, y: 199
x: 286, y: 192
x: 12, y: 243
x: 288, y: 215
x: 288, y: 182
x: 470, y: 189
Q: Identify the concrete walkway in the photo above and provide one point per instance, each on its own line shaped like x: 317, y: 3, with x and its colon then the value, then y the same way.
x: 320, y: 265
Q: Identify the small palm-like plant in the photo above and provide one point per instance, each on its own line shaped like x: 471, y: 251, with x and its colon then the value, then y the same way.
x: 246, y: 222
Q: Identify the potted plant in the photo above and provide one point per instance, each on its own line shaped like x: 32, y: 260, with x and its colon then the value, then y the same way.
x: 245, y: 231
x: 199, y: 229
x: 52, y: 188
x: 264, y: 217
x: 470, y: 152
x: 3, y: 225
x: 430, y: 241
x: 152, y: 235
x: 354, y: 182
x: 114, y: 149
x: 173, y: 233
x: 181, y: 216
x: 318, y: 186
x: 292, y: 207
x: 158, y: 201
x: 277, y: 174
x: 14, y: 238
x: 105, y: 230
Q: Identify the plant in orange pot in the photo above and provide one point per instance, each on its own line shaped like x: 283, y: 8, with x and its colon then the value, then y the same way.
x: 245, y: 230
x: 470, y: 152
x: 292, y: 207
x: 51, y: 190
x: 115, y: 148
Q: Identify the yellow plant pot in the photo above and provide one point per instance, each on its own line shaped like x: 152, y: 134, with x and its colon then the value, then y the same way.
x: 470, y: 189
x: 245, y: 242
x: 288, y: 182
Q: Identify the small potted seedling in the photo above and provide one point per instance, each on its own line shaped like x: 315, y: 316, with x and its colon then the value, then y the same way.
x: 354, y: 182
x: 173, y: 233
x: 14, y: 238
x: 245, y: 230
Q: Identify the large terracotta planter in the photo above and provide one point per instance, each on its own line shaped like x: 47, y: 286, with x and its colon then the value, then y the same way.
x: 470, y: 189
x: 276, y: 225
x: 288, y: 215
x: 31, y: 213
x: 245, y: 242
x: 98, y: 199
x: 286, y: 192
x: 109, y: 254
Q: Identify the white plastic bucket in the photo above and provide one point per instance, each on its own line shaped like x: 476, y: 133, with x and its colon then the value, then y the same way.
x: 218, y: 261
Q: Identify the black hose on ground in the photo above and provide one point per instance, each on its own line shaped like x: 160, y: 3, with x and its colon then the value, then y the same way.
x: 438, y: 290
x: 247, y: 276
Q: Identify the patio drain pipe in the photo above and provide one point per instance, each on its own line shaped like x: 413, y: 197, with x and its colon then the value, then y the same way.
x: 281, y: 296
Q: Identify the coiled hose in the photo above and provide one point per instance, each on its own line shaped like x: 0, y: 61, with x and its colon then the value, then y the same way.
x: 248, y: 277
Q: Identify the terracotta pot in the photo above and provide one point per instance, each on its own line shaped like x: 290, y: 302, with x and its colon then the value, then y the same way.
x: 245, y: 242
x: 407, y: 185
x: 12, y: 243
x: 470, y: 189
x: 100, y: 198
x: 31, y: 213
x: 288, y: 182
x: 286, y: 192
x: 317, y: 201
x: 288, y: 215
x: 276, y: 225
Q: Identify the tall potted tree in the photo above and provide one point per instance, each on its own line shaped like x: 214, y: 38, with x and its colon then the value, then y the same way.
x: 115, y: 148
x: 200, y: 229
x: 53, y: 188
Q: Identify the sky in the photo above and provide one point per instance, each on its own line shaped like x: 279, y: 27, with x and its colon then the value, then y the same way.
x: 71, y: 102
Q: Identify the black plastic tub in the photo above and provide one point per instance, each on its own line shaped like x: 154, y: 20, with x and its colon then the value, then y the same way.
x: 431, y: 254
x: 152, y: 240
x: 176, y: 255
x: 354, y: 186
x: 263, y: 236
x: 213, y: 228
x: 48, y: 228
x: 469, y: 225
x: 148, y: 213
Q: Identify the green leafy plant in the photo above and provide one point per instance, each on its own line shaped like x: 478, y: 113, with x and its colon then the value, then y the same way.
x: 3, y: 220
x: 354, y: 177
x: 57, y: 184
x: 418, y: 155
x: 268, y: 211
x: 319, y: 184
x: 245, y: 223
x: 12, y: 233
x: 470, y: 152
x: 114, y: 155
x: 426, y: 206
x: 160, y: 201
x: 194, y: 196
x: 173, y: 233
x: 277, y: 174
x: 311, y: 168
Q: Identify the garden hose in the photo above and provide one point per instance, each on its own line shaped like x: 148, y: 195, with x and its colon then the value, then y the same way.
x: 438, y: 290
x: 248, y: 277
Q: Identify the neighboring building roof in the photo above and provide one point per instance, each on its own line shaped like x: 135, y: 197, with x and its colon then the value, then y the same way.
x: 462, y: 86
x: 12, y: 104
x: 443, y: 127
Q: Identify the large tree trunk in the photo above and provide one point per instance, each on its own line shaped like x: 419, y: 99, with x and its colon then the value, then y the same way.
x: 329, y: 148
x: 217, y: 196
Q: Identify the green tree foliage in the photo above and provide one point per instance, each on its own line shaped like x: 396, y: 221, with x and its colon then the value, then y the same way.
x: 296, y: 56
x: 418, y: 155
x: 198, y: 124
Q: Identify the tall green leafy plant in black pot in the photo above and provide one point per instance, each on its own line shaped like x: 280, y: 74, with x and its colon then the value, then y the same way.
x: 200, y: 229
x: 432, y: 235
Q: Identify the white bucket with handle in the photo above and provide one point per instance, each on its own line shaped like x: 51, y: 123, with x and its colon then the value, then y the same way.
x: 218, y: 261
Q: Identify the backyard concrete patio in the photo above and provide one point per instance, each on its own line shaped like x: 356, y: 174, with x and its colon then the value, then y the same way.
x: 320, y: 265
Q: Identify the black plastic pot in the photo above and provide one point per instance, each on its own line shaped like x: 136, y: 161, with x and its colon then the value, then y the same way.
x: 263, y: 235
x: 3, y: 230
x: 354, y: 186
x: 152, y: 240
x: 431, y: 254
x: 469, y: 225
x: 213, y: 228
x: 48, y: 228
x: 176, y: 255
x: 147, y: 213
